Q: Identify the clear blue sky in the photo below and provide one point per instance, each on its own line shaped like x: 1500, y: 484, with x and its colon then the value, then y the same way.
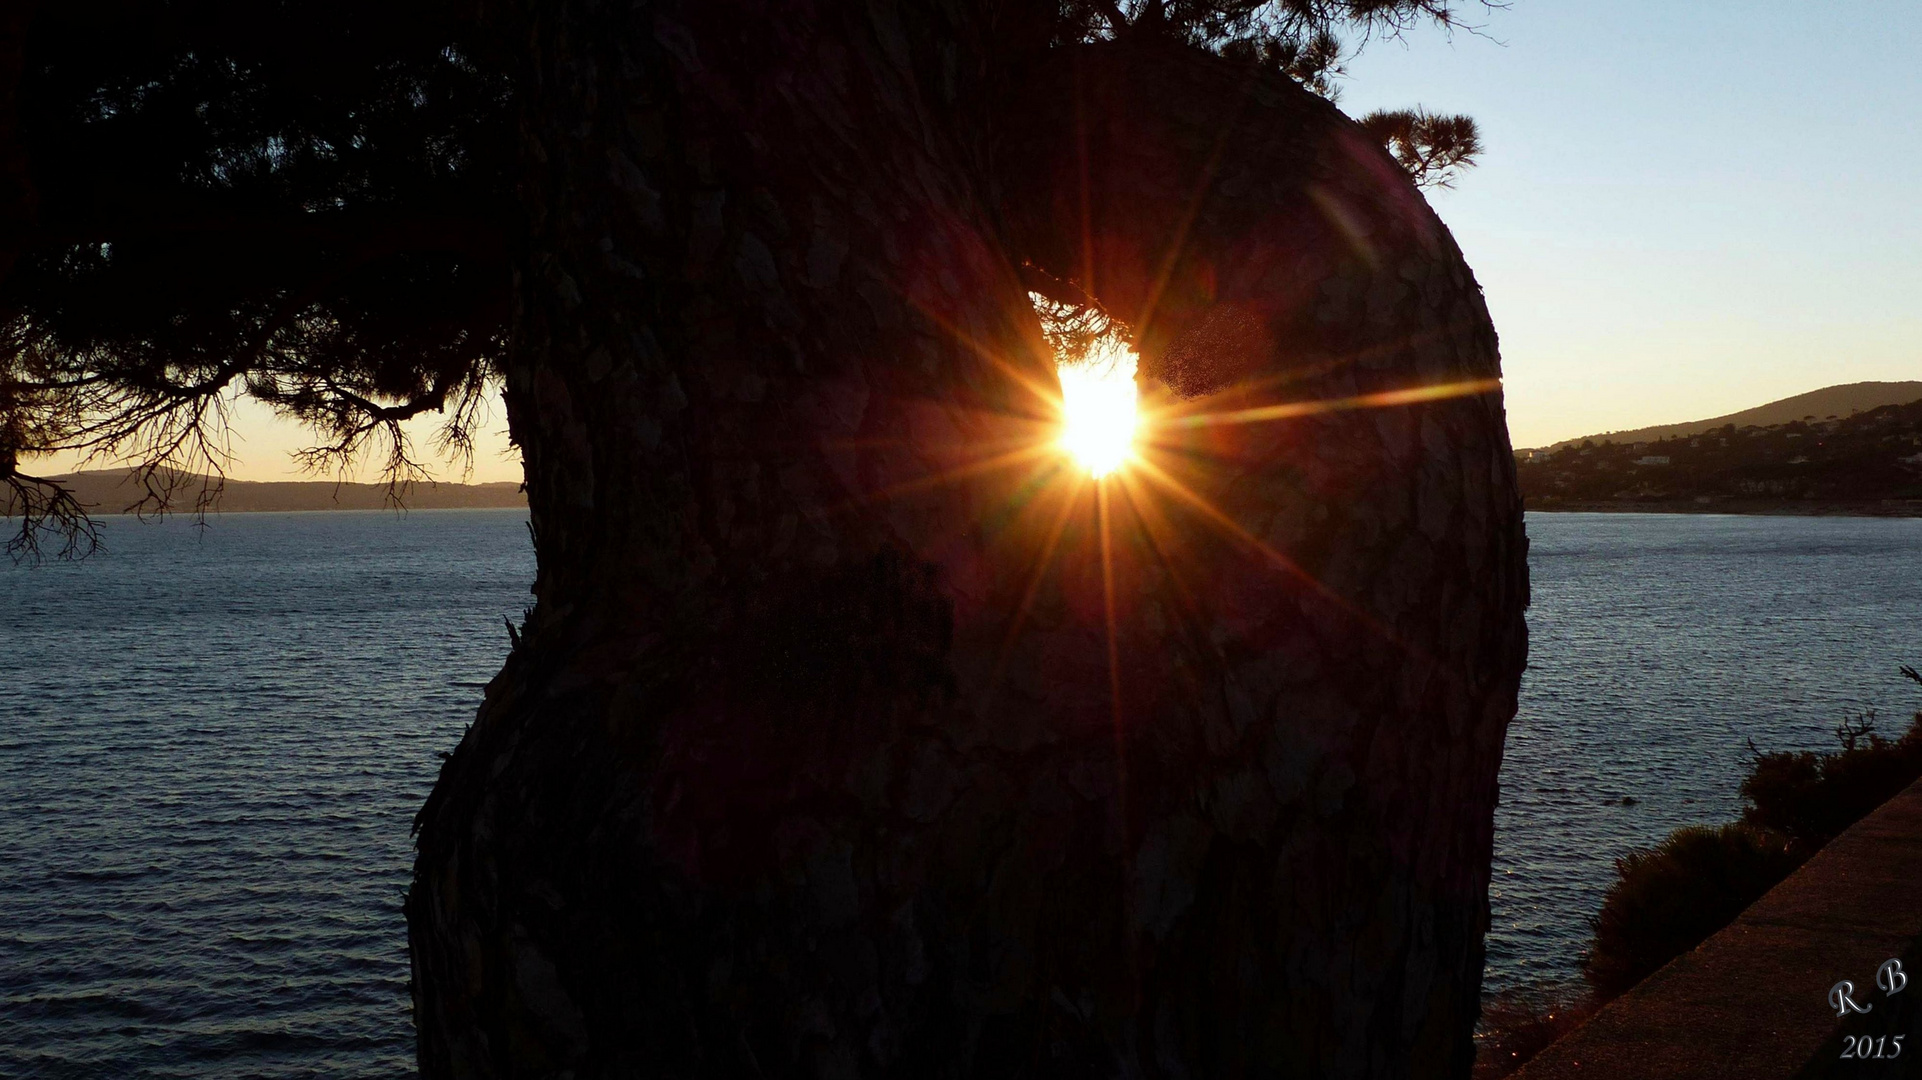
x: 1686, y: 207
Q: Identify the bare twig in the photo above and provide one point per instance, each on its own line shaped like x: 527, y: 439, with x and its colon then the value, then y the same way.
x: 45, y: 508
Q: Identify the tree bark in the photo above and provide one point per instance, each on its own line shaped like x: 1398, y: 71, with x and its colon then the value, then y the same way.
x: 852, y: 733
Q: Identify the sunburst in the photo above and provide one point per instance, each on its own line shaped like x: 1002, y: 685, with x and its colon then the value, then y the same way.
x: 1088, y: 437
x: 1100, y: 408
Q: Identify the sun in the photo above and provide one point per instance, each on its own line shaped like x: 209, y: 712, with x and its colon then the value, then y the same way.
x: 1099, y: 410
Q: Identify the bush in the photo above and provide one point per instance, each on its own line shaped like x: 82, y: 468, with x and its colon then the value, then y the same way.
x: 1813, y: 797
x: 1669, y: 898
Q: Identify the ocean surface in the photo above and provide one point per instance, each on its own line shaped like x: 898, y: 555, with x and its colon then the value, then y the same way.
x: 213, y: 742
x: 1660, y: 645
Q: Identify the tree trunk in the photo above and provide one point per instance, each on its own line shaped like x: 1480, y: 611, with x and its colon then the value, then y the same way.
x: 853, y: 733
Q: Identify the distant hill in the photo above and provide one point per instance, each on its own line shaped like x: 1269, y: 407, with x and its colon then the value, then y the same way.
x: 1830, y: 402
x: 111, y: 491
x: 1867, y: 463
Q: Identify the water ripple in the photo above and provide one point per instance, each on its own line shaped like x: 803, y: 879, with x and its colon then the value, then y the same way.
x: 1659, y: 645
x: 213, y: 751
x: 214, y: 745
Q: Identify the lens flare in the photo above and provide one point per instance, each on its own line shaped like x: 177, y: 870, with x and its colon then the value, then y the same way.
x: 1098, y: 407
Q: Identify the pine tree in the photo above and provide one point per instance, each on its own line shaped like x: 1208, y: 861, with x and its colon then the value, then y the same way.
x: 855, y: 730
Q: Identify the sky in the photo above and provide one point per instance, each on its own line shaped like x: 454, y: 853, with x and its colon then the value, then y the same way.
x: 1685, y: 207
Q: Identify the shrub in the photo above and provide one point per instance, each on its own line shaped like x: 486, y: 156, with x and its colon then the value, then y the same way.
x: 1669, y: 898
x: 1813, y: 797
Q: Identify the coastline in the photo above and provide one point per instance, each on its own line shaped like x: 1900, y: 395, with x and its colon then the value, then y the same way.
x: 1747, y: 507
x: 109, y: 492
x: 223, y: 511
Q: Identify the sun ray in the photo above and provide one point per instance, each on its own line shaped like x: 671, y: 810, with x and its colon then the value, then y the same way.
x: 1052, y: 473
x: 1116, y: 720
x: 1288, y: 566
x: 1115, y: 463
x: 1035, y: 387
x: 1033, y: 587
x: 1220, y: 519
x: 1179, y: 241
x: 1282, y: 562
x: 1294, y: 409
x: 1159, y: 532
x: 1302, y: 372
x: 1008, y: 460
x: 1104, y: 524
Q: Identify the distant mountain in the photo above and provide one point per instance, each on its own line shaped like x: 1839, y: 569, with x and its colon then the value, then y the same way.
x: 111, y: 491
x: 1828, y: 403
x: 1867, y: 463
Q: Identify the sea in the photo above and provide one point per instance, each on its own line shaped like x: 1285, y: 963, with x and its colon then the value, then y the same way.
x: 213, y: 740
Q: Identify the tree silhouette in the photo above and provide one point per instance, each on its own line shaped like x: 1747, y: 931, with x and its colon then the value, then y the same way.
x: 310, y: 205
x: 853, y: 731
x: 307, y: 204
x: 1434, y: 149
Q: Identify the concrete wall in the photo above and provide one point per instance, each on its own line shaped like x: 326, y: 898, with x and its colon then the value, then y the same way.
x: 1753, y: 1001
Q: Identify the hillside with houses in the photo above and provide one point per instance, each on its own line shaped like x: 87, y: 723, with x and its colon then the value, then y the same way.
x: 1828, y: 403
x: 1868, y: 463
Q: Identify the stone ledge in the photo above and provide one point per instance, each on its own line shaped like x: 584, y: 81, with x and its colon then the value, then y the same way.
x: 1752, y: 1001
